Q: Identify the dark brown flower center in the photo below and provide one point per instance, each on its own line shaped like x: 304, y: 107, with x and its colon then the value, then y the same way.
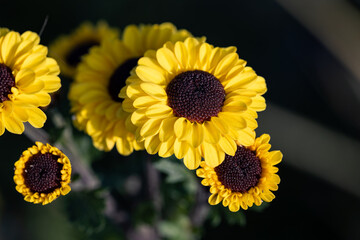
x: 195, y: 95
x: 42, y: 173
x: 73, y: 58
x: 240, y: 172
x: 7, y: 81
x: 117, y: 80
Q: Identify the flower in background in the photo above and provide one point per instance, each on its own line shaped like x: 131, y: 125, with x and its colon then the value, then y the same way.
x: 194, y: 100
x: 42, y: 174
x: 27, y: 76
x: 100, y: 76
x: 3, y: 31
x: 69, y: 49
x: 244, y: 179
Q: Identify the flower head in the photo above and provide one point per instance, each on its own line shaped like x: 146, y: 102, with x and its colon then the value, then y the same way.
x: 102, y: 73
x: 27, y: 76
x: 42, y: 174
x: 244, y: 179
x: 194, y: 100
x: 69, y: 49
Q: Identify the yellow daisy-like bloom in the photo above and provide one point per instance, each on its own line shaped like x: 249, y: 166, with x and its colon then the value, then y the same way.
x: 42, y: 174
x: 244, y: 179
x: 194, y: 100
x: 27, y: 76
x: 102, y: 73
x: 69, y: 49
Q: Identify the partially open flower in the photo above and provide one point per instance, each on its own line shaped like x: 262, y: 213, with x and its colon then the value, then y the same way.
x: 69, y: 49
x: 42, y: 174
x: 244, y: 179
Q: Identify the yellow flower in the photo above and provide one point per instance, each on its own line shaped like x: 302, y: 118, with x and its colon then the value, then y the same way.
x: 27, y: 76
x: 194, y: 100
x: 69, y: 49
x: 42, y: 174
x: 244, y: 179
x: 102, y: 73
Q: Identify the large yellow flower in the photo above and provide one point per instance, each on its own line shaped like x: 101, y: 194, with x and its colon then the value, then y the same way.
x: 194, y: 100
x: 69, y: 49
x: 244, y: 179
x: 102, y: 73
x: 42, y: 174
x: 27, y: 76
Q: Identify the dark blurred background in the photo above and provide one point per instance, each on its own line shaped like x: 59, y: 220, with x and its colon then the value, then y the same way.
x: 308, y: 52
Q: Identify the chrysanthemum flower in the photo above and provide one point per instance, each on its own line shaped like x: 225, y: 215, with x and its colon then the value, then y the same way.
x: 27, y: 76
x: 102, y: 73
x: 69, y: 49
x: 194, y: 100
x: 42, y: 174
x: 244, y: 179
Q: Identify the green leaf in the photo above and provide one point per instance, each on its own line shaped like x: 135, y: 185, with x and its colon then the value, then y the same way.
x: 175, y: 172
x: 85, y: 210
x: 177, y: 229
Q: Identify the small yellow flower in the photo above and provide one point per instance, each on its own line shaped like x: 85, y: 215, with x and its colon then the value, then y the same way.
x: 42, y: 174
x: 27, y: 76
x: 193, y: 100
x: 69, y: 49
x: 100, y: 76
x: 244, y: 179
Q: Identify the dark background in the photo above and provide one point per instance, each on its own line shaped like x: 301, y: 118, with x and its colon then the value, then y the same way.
x: 303, y: 78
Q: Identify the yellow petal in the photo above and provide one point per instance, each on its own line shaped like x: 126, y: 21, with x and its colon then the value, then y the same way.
x: 180, y: 148
x: 211, y: 133
x: 234, y: 206
x: 34, y: 60
x: 154, y: 90
x: 245, y: 77
x: 145, y: 101
x: 235, y: 120
x: 159, y: 111
x: 228, y: 145
x: 180, y: 126
x: 37, y: 117
x: 214, y: 199
x: 8, y: 47
x: 192, y: 159
x: 192, y: 45
x: 150, y: 75
x: 167, y: 60
x: 21, y: 113
x: 123, y: 146
x: 275, y: 157
x: 13, y: 124
x: 220, y: 124
x: 152, y: 144
x: 132, y: 38
x: 197, y: 135
x: 225, y: 65
x: 246, y: 136
x: 138, y: 117
x: 167, y: 148
x: 167, y: 129
x: 24, y: 78
x: 35, y: 87
x: 212, y: 155
x: 181, y: 54
x: 258, y: 103
x: 151, y: 127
